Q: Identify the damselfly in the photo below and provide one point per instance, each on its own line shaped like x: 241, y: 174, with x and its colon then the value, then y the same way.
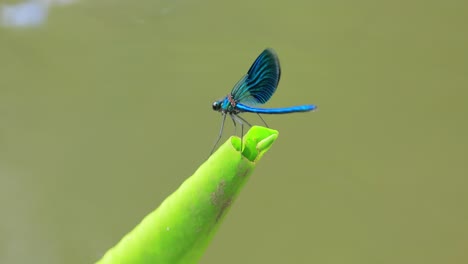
x: 255, y: 88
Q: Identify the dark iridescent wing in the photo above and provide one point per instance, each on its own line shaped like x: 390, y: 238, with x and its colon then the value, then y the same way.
x: 261, y: 80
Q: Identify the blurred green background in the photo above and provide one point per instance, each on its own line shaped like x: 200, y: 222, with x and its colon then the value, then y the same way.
x: 105, y: 109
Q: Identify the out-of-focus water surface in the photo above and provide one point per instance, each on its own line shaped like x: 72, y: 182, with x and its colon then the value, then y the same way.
x: 105, y: 108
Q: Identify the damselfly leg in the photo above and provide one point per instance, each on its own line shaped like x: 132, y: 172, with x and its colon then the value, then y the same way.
x: 220, y: 134
x: 263, y: 120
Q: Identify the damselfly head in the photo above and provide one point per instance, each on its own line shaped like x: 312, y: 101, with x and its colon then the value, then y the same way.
x: 217, y: 106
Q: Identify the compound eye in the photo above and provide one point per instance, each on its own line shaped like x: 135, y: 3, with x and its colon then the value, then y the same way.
x: 216, y: 106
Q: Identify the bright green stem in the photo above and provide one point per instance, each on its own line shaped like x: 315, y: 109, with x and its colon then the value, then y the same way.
x: 182, y: 227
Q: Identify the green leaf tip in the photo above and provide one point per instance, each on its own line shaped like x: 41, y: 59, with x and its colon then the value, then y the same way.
x: 181, y: 228
x: 256, y: 142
